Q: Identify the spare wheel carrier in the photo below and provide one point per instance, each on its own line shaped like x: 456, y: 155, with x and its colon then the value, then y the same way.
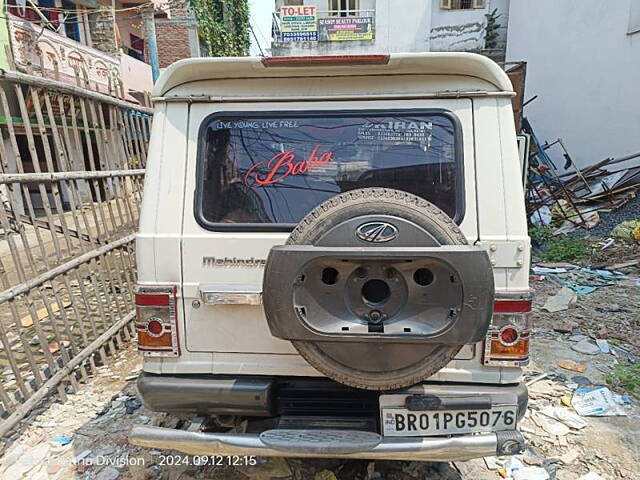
x: 378, y: 289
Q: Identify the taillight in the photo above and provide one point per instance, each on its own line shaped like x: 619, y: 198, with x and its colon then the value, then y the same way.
x: 508, y: 336
x: 325, y: 60
x: 512, y: 305
x: 507, y: 342
x: 156, y: 320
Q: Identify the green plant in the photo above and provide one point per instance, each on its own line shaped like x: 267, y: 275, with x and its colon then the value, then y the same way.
x: 224, y: 26
x: 565, y: 249
x: 540, y: 234
x: 491, y: 29
x: 626, y: 377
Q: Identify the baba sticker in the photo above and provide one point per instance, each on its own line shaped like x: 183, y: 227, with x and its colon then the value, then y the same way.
x: 284, y: 164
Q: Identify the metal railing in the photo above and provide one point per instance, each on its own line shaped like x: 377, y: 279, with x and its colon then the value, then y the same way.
x: 71, y: 170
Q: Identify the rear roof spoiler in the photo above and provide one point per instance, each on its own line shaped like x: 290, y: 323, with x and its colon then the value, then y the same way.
x: 430, y: 63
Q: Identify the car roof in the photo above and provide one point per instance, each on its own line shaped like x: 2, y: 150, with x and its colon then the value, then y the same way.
x: 431, y: 63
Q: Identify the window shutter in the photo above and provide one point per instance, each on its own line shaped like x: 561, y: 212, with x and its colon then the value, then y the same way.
x: 478, y: 3
x: 445, y: 4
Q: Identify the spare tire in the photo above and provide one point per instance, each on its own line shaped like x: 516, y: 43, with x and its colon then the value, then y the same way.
x: 390, y: 289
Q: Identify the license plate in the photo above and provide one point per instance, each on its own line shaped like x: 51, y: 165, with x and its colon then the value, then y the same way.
x: 400, y: 422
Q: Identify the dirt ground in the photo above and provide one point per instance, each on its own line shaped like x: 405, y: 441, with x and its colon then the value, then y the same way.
x: 95, y: 422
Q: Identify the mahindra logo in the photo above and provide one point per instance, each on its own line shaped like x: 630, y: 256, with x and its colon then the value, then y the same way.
x: 377, y: 232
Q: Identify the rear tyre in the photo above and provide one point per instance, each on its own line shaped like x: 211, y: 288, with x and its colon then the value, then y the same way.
x: 370, y: 365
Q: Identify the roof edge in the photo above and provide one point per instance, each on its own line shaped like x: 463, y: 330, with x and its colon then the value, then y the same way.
x: 435, y: 63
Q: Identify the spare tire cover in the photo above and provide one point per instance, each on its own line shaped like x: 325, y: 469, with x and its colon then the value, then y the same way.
x: 375, y: 366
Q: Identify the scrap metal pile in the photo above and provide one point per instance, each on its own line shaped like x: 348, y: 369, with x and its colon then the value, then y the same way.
x: 567, y: 201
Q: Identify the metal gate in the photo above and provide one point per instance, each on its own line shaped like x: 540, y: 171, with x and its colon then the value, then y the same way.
x: 71, y: 173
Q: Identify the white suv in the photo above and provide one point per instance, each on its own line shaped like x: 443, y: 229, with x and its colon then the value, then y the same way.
x: 335, y: 249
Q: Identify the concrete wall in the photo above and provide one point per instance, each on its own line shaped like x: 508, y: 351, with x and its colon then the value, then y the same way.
x: 406, y: 24
x: 136, y: 75
x: 102, y: 31
x: 409, y: 26
x: 456, y: 30
x: 176, y: 35
x: 585, y: 68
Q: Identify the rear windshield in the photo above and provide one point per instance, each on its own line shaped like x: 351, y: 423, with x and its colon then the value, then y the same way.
x: 273, y: 170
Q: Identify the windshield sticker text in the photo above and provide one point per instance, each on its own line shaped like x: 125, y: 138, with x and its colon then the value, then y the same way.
x: 399, y: 125
x: 257, y: 124
x: 283, y: 164
x: 395, y: 131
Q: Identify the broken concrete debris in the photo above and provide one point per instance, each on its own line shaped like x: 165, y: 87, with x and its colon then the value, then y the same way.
x: 561, y: 300
x: 590, y: 332
x: 577, y: 337
x: 108, y: 473
x: 565, y: 416
x: 581, y: 380
x: 591, y: 476
x: 603, y: 345
x: 531, y: 473
x: 584, y: 280
x: 585, y: 346
x: 550, y: 425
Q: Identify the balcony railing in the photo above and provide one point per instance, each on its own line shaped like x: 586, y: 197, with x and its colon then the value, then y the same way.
x: 276, y: 22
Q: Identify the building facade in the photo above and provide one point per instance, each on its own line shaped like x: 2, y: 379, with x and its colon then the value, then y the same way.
x: 583, y: 67
x: 176, y: 32
x: 78, y: 41
x: 102, y: 43
x: 333, y: 27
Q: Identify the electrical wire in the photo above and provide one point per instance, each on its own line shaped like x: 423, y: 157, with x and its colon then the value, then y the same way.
x: 251, y: 23
x: 86, y: 10
x: 22, y: 20
x: 118, y: 19
x: 256, y: 39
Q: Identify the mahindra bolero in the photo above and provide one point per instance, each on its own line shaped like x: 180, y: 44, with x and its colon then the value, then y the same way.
x: 333, y: 253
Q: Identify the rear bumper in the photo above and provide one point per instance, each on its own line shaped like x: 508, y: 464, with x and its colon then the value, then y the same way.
x: 207, y: 394
x: 271, y: 397
x: 462, y: 447
x: 263, y: 396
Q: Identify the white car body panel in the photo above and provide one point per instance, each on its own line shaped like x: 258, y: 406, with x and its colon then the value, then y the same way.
x: 235, y: 339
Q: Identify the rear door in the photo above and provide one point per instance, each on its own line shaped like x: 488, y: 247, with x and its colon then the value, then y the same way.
x: 254, y: 170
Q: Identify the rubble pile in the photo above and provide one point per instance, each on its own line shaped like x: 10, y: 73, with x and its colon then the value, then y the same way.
x: 577, y: 199
x: 585, y: 320
x: 579, y: 424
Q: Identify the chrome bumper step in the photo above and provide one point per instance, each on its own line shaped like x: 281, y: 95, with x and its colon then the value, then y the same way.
x: 331, y: 444
x: 320, y: 441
